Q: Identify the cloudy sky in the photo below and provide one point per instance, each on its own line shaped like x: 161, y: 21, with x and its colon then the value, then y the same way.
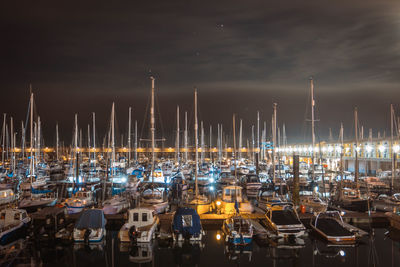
x: 241, y: 55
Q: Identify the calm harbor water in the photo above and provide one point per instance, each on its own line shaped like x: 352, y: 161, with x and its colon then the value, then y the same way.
x: 377, y: 250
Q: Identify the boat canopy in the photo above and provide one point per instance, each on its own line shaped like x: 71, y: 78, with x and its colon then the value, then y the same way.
x: 93, y: 218
x: 186, y: 221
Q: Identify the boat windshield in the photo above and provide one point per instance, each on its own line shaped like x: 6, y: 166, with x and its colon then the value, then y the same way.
x: 231, y: 192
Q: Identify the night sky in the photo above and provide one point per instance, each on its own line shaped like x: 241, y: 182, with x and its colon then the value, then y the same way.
x: 80, y: 56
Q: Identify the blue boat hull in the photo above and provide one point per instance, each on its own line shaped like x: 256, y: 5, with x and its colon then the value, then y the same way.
x: 11, y: 236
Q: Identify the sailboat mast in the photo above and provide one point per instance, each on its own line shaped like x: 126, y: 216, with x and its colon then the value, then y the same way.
x: 186, y: 138
x: 258, y: 132
x: 88, y: 142
x: 202, y: 143
x: 76, y: 149
x: 23, y: 142
x: 136, y: 142
x: 177, y: 136
x: 393, y: 155
x: 273, y: 143
x: 211, y: 143
x: 341, y: 152
x: 196, y: 130
x: 112, y: 138
x: 129, y: 135
x: 240, y: 139
x: 312, y: 129
x: 3, y: 139
x: 12, y: 144
x: 57, y: 141
x: 94, y: 142
x: 356, y: 150
x: 38, y: 140
x: 32, y: 170
x: 234, y: 150
x: 152, y: 129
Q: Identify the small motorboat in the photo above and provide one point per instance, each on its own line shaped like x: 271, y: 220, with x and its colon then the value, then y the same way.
x: 13, y: 225
x: 81, y: 200
x: 330, y: 226
x: 200, y: 203
x: 6, y: 196
x: 283, y: 220
x: 394, y: 218
x: 153, y: 198
x: 38, y: 199
x: 141, y: 226
x: 253, y: 185
x: 115, y: 205
x: 313, y: 204
x: 350, y: 199
x: 232, y: 196
x: 238, y: 230
x: 186, y: 225
x: 90, y: 226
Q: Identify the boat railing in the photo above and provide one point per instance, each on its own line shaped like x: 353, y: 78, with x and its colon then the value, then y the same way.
x: 330, y: 213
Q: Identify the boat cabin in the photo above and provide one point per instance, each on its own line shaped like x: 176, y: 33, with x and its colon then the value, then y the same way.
x: 84, y: 194
x: 350, y: 193
x: 51, y: 219
x: 141, y: 217
x: 232, y: 193
x: 12, y: 216
x: 6, y: 196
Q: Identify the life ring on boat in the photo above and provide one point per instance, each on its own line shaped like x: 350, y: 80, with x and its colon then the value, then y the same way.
x: 132, y: 233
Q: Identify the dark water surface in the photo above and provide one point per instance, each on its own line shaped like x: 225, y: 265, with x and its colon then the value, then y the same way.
x: 379, y: 250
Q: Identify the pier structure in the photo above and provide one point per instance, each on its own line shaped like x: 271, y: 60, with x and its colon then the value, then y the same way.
x: 373, y: 154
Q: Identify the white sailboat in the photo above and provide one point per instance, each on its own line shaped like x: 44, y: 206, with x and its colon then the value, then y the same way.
x: 200, y: 202
x: 36, y: 198
x: 153, y: 197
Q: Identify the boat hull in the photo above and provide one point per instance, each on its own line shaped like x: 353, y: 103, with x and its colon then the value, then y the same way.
x: 13, y: 234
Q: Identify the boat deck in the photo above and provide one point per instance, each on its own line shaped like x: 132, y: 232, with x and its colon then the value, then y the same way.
x: 331, y: 227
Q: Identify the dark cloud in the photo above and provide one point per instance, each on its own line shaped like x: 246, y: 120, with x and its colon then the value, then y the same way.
x: 242, y: 55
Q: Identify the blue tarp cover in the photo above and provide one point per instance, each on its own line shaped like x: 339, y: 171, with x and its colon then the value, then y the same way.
x: 37, y: 191
x: 178, y: 224
x: 92, y: 218
x: 116, y: 190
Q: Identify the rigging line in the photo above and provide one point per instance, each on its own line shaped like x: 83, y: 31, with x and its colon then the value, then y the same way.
x: 159, y: 115
x: 145, y: 118
x: 305, y: 127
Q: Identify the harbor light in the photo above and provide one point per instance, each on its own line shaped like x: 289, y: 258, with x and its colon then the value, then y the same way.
x: 218, y: 203
x: 342, y: 253
x: 218, y: 236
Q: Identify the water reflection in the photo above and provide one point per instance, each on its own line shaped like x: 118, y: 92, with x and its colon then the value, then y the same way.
x: 187, y: 253
x: 141, y: 253
x: 88, y: 254
x: 379, y: 249
x: 239, y: 253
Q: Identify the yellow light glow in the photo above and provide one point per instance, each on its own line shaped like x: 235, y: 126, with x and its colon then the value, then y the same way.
x: 218, y: 203
x: 218, y: 237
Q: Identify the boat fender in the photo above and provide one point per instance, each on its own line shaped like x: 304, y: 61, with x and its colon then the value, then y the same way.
x: 86, y: 235
x: 132, y: 234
